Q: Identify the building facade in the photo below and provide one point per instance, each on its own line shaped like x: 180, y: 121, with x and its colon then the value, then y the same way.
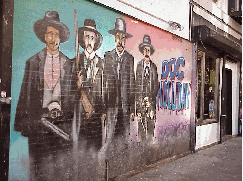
x: 216, y: 32
x: 182, y: 91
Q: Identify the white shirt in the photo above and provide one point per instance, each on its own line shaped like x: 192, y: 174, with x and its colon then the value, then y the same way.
x: 120, y: 54
x: 145, y: 65
x: 89, y: 56
x: 94, y: 60
x: 55, y: 94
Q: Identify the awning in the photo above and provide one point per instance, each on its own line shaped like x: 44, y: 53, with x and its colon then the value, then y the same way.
x: 217, y: 39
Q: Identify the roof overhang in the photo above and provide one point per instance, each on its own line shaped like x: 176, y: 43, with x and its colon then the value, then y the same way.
x: 217, y: 39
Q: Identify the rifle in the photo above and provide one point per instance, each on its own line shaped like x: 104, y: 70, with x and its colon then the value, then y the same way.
x: 88, y: 107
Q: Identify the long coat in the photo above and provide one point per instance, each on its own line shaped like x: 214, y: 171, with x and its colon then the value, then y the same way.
x: 120, y: 92
x: 151, y: 84
x: 48, y: 152
x: 91, y: 128
x: 29, y: 109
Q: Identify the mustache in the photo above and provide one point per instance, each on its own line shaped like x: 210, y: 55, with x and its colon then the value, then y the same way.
x: 53, y: 43
x: 120, y: 45
x: 89, y: 46
x: 146, y: 56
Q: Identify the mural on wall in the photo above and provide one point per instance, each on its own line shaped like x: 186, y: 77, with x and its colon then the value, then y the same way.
x: 119, y: 100
x: 147, y: 89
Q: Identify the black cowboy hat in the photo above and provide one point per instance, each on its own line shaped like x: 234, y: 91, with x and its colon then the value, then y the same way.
x: 89, y: 25
x: 51, y: 18
x: 146, y: 42
x: 120, y: 27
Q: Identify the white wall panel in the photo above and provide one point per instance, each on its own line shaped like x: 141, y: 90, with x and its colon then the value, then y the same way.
x: 156, y: 12
x: 207, y: 134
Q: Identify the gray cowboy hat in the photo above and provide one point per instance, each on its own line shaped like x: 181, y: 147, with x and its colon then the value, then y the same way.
x: 146, y: 42
x: 51, y: 18
x: 89, y: 25
x: 120, y: 27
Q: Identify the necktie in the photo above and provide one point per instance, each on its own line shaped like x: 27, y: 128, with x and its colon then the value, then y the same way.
x: 119, y: 62
x: 92, y: 70
x: 146, y: 72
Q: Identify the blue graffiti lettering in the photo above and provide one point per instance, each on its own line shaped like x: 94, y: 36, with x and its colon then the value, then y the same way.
x: 180, y: 61
x: 165, y: 94
x: 169, y: 90
x: 165, y: 69
x: 173, y: 95
x: 172, y: 69
x: 160, y: 96
x: 173, y: 100
x: 178, y: 95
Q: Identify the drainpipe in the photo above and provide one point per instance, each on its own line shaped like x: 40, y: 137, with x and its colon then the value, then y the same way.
x: 240, y: 102
x: 193, y: 85
x: 190, y: 20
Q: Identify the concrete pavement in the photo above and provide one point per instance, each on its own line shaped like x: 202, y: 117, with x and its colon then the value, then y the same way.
x: 217, y: 163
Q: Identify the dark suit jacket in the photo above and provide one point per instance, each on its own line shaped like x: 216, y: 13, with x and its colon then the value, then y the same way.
x: 29, y: 109
x: 94, y: 89
x: 91, y: 128
x: 140, y: 85
x: 120, y: 93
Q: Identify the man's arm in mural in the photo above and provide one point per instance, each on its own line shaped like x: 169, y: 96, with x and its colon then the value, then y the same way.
x: 109, y: 80
x: 155, y: 85
x: 132, y: 87
x: 102, y: 89
x: 138, y: 85
x: 28, y: 115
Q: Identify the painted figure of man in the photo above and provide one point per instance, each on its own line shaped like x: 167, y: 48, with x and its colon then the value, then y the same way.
x: 120, y: 79
x: 91, y: 83
x: 44, y: 111
x: 147, y: 89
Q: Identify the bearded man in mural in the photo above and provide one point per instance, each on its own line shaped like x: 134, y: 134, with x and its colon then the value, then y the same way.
x: 44, y: 111
x: 91, y: 108
x: 120, y: 80
x: 147, y: 89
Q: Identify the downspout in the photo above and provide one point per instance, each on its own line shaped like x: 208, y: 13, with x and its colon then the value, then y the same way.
x: 240, y: 101
x: 193, y: 84
x: 190, y: 20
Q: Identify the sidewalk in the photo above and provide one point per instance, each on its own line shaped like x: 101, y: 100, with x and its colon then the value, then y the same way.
x: 219, y: 162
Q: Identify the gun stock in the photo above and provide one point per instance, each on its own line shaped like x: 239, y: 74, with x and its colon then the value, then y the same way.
x: 86, y: 104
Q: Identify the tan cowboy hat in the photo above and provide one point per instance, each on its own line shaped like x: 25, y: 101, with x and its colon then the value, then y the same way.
x: 120, y: 27
x: 89, y: 25
x: 51, y: 18
x: 146, y: 42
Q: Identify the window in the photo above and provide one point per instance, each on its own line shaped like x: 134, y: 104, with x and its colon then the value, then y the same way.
x: 234, y: 5
x: 235, y: 10
x: 207, y: 88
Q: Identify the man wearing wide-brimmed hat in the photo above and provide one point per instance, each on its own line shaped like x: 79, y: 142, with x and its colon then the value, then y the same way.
x: 91, y: 73
x: 45, y: 102
x: 119, y: 77
x: 147, y: 89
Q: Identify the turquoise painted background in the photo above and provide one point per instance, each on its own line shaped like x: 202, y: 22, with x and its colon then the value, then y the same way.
x: 26, y: 44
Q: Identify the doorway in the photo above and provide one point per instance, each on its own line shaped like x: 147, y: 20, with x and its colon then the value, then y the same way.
x: 228, y: 87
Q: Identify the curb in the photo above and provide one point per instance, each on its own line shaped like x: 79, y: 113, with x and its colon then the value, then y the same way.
x: 148, y: 167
